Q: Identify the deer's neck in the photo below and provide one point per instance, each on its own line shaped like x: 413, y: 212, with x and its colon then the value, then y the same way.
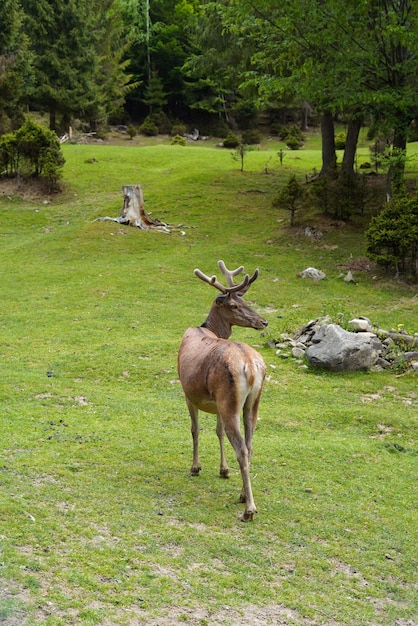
x: 217, y: 325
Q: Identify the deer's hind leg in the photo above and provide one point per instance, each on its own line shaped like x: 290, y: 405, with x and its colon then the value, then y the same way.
x: 243, y: 458
x: 220, y: 431
x: 194, y: 416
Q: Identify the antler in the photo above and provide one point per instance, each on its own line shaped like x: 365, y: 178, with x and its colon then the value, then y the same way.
x: 212, y: 280
x: 231, y: 273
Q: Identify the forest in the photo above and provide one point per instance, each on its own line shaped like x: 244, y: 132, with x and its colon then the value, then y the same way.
x: 224, y: 68
x: 218, y: 65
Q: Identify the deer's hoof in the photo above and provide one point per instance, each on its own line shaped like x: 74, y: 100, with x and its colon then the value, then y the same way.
x: 195, y: 471
x: 224, y: 473
x: 248, y: 516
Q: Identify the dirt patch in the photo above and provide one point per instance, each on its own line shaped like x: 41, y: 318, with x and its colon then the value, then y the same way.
x: 256, y: 616
x: 362, y: 264
x: 27, y: 189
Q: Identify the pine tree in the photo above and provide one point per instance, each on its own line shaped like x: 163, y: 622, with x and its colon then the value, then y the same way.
x: 14, y: 64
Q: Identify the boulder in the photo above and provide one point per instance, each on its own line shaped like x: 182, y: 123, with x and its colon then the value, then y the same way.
x: 336, y: 349
x: 312, y: 272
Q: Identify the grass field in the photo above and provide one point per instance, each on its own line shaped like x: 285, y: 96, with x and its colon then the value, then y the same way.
x: 100, y: 522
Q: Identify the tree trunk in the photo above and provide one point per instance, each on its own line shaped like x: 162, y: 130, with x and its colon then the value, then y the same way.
x: 351, y: 146
x: 395, y: 181
x: 329, y: 157
x: 134, y: 214
x: 52, y: 118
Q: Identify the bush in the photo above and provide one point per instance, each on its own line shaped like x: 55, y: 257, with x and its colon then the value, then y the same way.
x: 340, y: 141
x: 251, y: 137
x: 162, y: 122
x: 131, y: 131
x: 219, y: 129
x: 276, y: 128
x: 178, y: 140
x: 393, y: 235
x: 148, y: 127
x: 231, y: 140
x: 178, y: 128
x: 291, y: 197
x: 293, y: 143
x: 292, y: 136
x: 9, y: 155
x: 340, y: 194
x: 33, y: 150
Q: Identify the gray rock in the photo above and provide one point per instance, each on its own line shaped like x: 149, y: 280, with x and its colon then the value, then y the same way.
x: 336, y: 349
x: 298, y: 352
x: 360, y: 324
x: 311, y: 272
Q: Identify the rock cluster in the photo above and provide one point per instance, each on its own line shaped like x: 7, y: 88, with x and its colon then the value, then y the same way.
x: 362, y: 347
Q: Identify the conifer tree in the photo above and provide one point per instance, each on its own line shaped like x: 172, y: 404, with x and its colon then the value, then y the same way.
x: 14, y: 64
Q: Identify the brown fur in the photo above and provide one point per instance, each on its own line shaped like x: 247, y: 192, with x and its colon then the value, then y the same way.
x: 225, y: 378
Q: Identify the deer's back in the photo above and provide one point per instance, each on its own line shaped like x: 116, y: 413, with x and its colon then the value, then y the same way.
x: 212, y: 369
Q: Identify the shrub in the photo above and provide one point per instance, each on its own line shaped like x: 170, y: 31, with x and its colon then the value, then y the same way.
x: 231, y: 140
x: 219, y: 129
x: 131, y: 131
x: 178, y: 128
x: 251, y: 137
x: 9, y: 155
x: 292, y: 136
x: 33, y: 150
x: 291, y: 197
x: 393, y: 235
x: 340, y: 141
x: 276, y: 128
x: 178, y: 140
x: 148, y: 127
x: 340, y: 194
x: 293, y: 143
x: 161, y: 121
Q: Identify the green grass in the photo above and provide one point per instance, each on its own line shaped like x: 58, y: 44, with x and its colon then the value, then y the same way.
x: 100, y: 522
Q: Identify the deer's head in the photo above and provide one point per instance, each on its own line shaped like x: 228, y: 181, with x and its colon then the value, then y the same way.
x: 229, y: 308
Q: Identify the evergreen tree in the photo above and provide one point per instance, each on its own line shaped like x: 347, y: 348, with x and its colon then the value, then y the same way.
x: 78, y: 49
x: 14, y: 65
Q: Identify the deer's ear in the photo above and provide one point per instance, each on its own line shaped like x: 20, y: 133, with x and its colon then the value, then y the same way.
x: 222, y: 299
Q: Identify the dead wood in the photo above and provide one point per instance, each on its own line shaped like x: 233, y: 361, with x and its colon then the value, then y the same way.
x: 133, y: 212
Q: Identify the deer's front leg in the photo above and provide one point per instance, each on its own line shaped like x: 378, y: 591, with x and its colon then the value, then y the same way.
x: 194, y: 416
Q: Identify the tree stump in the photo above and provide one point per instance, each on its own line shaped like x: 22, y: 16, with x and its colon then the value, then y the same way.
x: 133, y: 212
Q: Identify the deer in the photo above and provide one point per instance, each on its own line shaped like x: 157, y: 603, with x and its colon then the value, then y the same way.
x: 224, y: 377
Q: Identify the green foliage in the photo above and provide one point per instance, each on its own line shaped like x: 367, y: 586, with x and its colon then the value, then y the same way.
x: 340, y: 141
x: 231, y: 140
x: 291, y: 197
x: 33, y: 150
x: 240, y: 152
x: 340, y: 194
x: 178, y: 128
x: 291, y: 135
x: 162, y: 121
x: 155, y: 97
x: 148, y: 127
x: 9, y: 155
x: 131, y: 131
x: 393, y: 235
x: 251, y: 137
x: 178, y: 140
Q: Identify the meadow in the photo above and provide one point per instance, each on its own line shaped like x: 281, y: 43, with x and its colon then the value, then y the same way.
x: 100, y: 521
